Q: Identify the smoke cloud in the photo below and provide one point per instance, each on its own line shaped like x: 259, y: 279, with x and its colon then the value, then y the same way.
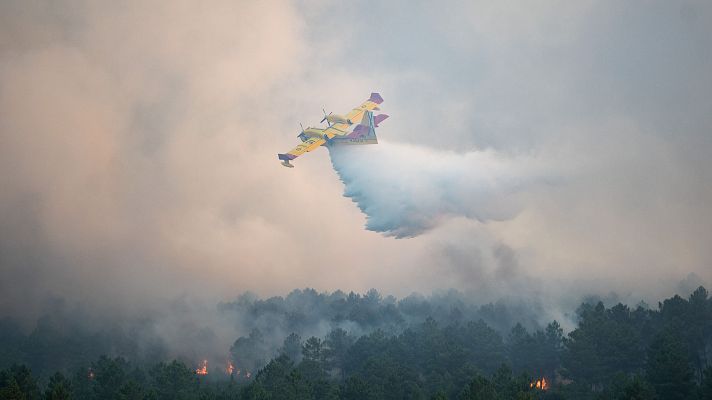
x: 139, y: 178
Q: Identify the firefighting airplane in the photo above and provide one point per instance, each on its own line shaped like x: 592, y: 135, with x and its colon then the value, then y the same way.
x: 337, y: 133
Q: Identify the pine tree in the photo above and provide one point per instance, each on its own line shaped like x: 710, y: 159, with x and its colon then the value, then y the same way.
x: 668, y: 368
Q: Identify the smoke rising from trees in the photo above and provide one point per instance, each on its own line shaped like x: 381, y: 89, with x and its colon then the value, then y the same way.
x: 139, y: 182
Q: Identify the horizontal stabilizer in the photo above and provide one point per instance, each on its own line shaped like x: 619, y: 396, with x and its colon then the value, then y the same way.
x: 378, y: 119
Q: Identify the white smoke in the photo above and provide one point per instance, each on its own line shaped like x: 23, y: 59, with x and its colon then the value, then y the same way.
x: 405, y: 190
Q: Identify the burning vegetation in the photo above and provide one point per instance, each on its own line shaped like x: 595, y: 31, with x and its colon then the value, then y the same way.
x: 202, y: 369
x: 655, y: 359
x: 540, y: 384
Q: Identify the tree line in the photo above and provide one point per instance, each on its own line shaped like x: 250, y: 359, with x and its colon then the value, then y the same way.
x: 614, y: 352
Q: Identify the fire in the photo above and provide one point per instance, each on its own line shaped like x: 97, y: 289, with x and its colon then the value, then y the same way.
x: 91, y: 374
x: 203, y: 369
x: 231, y: 370
x: 540, y: 384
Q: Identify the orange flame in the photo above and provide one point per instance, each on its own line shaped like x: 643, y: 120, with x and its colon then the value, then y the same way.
x: 540, y: 384
x: 248, y: 375
x: 230, y: 368
x: 203, y: 369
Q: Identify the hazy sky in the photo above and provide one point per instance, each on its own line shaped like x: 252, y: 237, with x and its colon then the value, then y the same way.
x: 138, y: 146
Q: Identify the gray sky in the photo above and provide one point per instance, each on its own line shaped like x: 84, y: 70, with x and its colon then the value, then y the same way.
x: 138, y: 147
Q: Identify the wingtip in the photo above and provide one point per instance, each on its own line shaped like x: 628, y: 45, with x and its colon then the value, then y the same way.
x: 286, y: 158
x: 376, y: 98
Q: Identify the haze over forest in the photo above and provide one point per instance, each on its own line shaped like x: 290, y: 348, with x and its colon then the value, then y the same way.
x: 537, y: 156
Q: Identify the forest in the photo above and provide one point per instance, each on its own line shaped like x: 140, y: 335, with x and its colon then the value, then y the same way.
x: 311, y: 345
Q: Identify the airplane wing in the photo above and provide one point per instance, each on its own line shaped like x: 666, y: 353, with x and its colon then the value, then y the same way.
x: 337, y: 130
x: 369, y: 105
x: 356, y: 114
x: 308, y: 145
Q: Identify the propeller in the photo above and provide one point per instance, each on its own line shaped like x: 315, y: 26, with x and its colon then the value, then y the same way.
x: 325, y: 115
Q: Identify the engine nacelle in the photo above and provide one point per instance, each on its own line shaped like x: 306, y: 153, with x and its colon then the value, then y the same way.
x: 337, y: 119
x: 310, y: 133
